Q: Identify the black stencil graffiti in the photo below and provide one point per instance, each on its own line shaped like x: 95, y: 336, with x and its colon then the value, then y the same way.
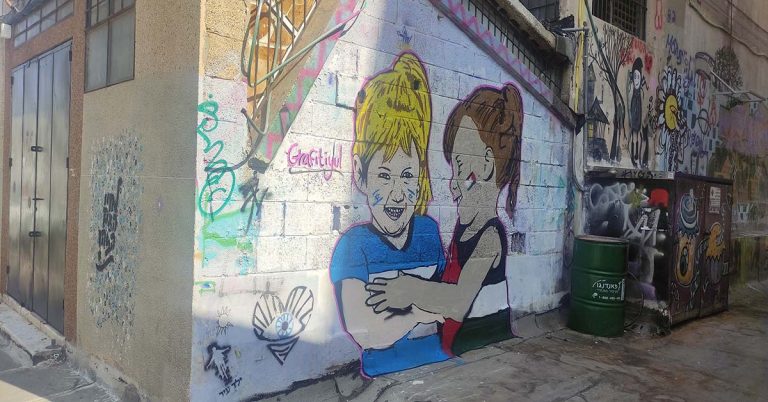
x: 104, y: 256
x: 218, y: 360
x: 250, y: 190
x: 281, y: 323
x: 231, y: 387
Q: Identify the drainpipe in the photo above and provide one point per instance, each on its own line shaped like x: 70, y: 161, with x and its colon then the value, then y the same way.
x: 585, y: 40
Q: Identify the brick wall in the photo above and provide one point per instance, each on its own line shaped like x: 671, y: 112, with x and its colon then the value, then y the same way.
x: 265, y: 303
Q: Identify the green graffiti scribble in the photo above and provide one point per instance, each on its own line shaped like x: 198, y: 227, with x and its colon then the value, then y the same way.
x: 206, y: 287
x: 217, y: 169
x: 213, y: 235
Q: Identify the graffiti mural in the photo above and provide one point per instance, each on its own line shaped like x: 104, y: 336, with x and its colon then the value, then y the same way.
x: 638, y: 138
x: 621, y: 65
x: 392, y: 126
x: 638, y: 212
x: 742, y: 158
x: 114, y: 228
x: 314, y: 160
x: 685, y: 284
x: 280, y: 323
x: 366, y: 157
x: 608, y: 61
x: 392, y: 301
x: 671, y: 123
x: 107, y: 241
x: 220, y: 175
x: 218, y: 362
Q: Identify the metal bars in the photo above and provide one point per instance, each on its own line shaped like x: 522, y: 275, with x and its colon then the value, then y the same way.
x: 543, y: 10
x: 273, y: 27
x: 628, y: 15
x: 494, y: 18
x: 41, y: 19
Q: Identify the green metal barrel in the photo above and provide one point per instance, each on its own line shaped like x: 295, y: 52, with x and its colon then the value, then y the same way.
x: 597, y: 285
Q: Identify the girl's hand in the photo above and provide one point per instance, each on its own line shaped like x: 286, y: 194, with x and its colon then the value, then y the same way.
x: 391, y: 293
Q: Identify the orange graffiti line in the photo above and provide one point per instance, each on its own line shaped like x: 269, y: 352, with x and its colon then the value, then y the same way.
x: 659, y: 20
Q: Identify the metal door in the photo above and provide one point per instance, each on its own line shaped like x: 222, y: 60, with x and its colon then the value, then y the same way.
x: 40, y: 91
x: 716, y: 250
x: 685, y: 277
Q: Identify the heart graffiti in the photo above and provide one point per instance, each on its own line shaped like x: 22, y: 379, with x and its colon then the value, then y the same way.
x: 281, y: 323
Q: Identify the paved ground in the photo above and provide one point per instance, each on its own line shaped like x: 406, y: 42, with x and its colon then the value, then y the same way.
x: 22, y: 382
x: 719, y: 358
x: 723, y: 357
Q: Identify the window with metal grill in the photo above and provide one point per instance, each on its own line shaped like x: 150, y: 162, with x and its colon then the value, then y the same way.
x: 628, y: 15
x: 541, y: 63
x: 543, y: 10
x: 110, y: 39
x: 41, y: 19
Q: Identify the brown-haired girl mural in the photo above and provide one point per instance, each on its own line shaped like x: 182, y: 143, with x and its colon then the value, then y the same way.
x: 482, y: 143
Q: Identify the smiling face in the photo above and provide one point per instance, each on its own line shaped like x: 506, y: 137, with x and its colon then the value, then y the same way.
x: 473, y: 185
x: 637, y: 79
x: 392, y: 189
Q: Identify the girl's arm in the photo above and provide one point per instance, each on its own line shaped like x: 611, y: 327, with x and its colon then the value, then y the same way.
x: 372, y: 330
x: 447, y: 299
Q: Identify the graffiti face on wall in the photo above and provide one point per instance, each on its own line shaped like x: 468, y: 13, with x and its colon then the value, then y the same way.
x: 392, y: 279
x: 114, y: 229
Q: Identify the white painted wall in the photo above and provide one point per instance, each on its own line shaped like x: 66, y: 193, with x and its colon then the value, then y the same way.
x: 290, y: 243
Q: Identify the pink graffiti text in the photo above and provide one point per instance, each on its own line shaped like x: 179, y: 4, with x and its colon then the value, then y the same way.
x: 314, y: 160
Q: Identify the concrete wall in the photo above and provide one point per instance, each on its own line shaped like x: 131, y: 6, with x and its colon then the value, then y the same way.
x: 138, y: 181
x: 272, y: 286
x: 635, y: 125
x: 672, y: 118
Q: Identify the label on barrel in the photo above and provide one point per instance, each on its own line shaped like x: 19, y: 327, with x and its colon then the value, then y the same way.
x: 608, y: 290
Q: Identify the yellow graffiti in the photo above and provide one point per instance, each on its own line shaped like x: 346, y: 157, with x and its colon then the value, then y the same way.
x: 670, y: 112
x: 715, y: 244
x: 685, y: 260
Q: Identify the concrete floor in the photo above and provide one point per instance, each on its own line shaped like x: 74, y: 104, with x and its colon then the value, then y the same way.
x: 718, y: 358
x: 46, y: 381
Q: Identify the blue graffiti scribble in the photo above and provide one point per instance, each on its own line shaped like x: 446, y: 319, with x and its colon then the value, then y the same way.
x: 377, y: 198
x: 411, y: 195
x: 245, y: 263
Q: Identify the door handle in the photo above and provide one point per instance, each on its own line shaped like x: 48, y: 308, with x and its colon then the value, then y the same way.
x: 36, y: 148
x: 38, y: 199
x: 35, y: 233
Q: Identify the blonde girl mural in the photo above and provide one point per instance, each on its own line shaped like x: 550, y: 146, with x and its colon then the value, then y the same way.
x: 392, y: 124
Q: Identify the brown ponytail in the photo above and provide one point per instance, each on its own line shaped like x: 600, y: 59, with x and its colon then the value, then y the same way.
x: 498, y: 115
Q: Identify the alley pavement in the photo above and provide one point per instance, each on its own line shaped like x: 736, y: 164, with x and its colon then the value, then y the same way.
x: 719, y: 358
x: 20, y: 381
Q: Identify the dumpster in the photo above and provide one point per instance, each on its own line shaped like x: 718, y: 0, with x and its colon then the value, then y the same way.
x: 679, y: 231
x: 597, y: 285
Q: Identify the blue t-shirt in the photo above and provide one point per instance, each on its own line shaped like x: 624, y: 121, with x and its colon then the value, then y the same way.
x: 362, y: 253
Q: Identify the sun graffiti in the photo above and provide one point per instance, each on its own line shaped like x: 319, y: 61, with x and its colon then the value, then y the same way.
x: 671, y: 117
x: 670, y: 112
